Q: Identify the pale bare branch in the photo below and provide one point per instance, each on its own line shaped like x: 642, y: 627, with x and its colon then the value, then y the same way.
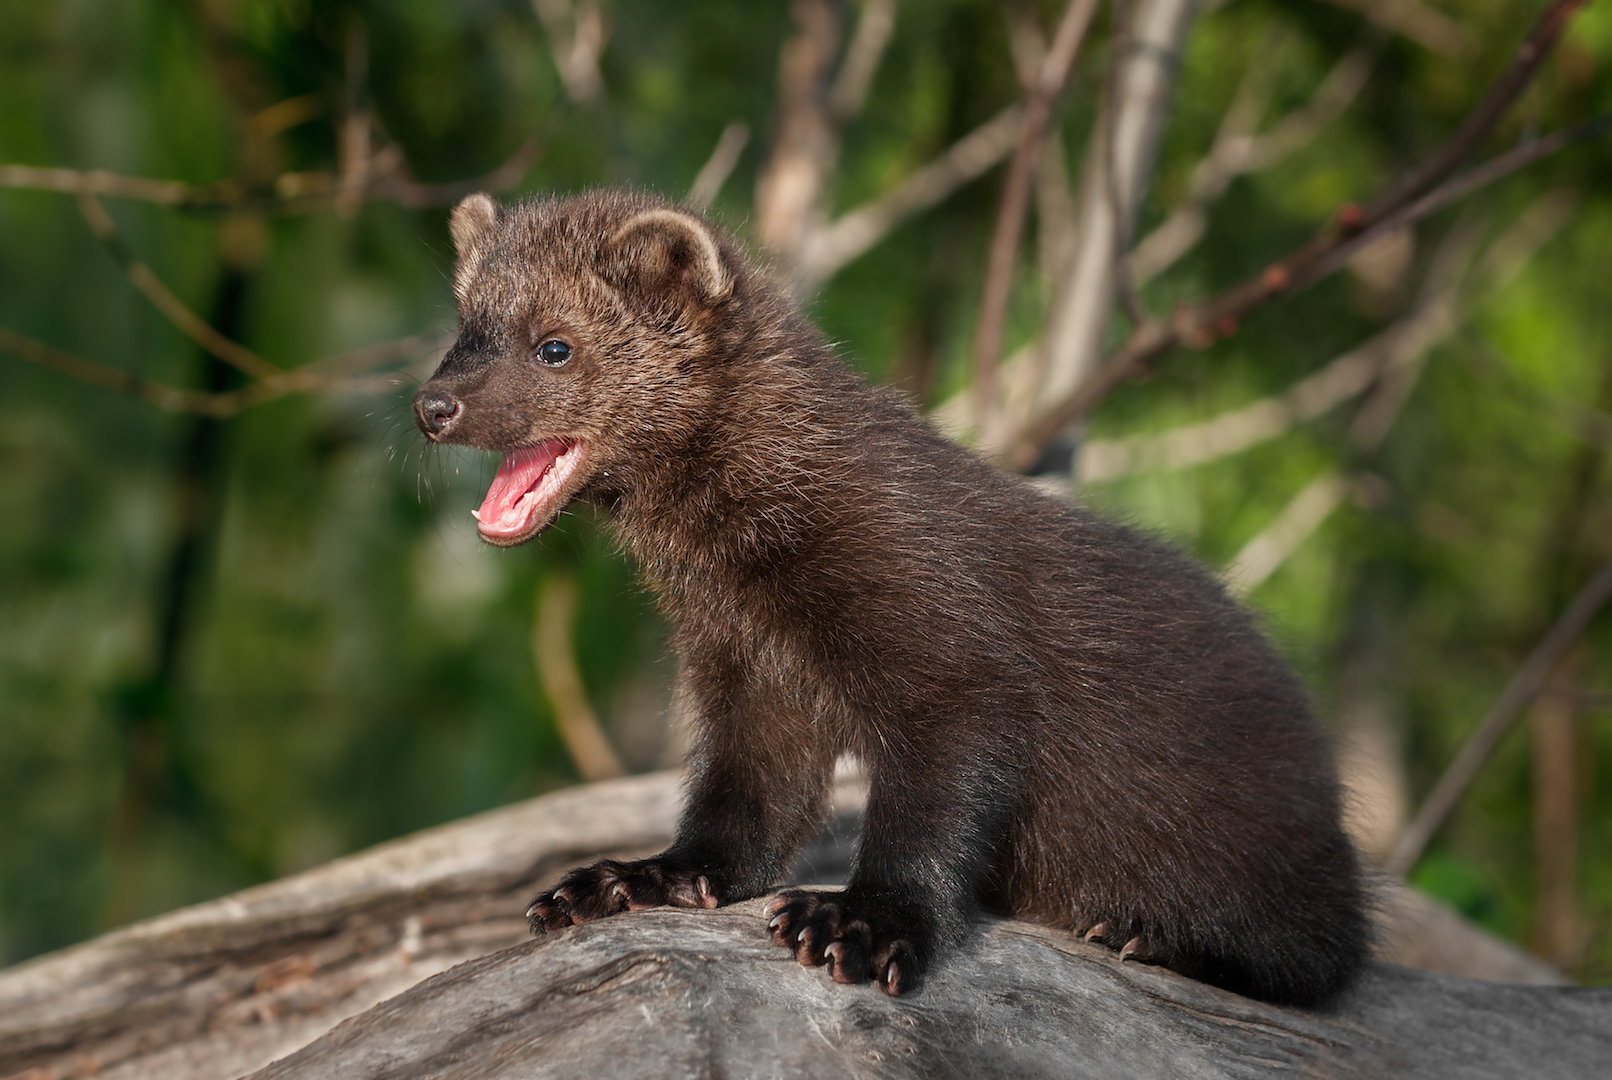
x: 354, y: 143
x: 284, y: 115
x: 1232, y: 432
x: 789, y: 189
x: 1004, y: 251
x: 1420, y: 190
x: 1416, y: 21
x: 868, y: 42
x: 163, y: 397
x: 854, y: 232
x: 1444, y: 300
x: 1199, y: 324
x: 1261, y: 556
x: 719, y: 166
x: 100, y: 182
x: 1338, y: 90
x: 291, y: 193
x: 1055, y: 215
x: 393, y: 180
x: 577, y: 34
x: 1238, y: 150
x: 1119, y: 164
x: 368, y: 358
x: 562, y: 683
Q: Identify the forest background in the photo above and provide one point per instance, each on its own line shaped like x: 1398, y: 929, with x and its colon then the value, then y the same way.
x: 1233, y: 272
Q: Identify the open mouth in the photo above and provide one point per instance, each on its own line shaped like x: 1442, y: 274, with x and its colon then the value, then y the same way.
x: 528, y: 492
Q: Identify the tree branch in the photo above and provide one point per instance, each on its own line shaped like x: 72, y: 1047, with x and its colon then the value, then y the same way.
x: 186, y: 321
x: 577, y: 35
x: 1261, y: 556
x: 868, y: 42
x: 291, y: 193
x: 1004, y: 251
x: 714, y: 173
x: 1238, y: 150
x: 1416, y: 21
x: 333, y: 375
x: 1403, y: 352
x: 1199, y: 324
x: 854, y: 232
x: 789, y: 190
x: 1518, y: 692
x: 562, y: 683
x: 1118, y: 168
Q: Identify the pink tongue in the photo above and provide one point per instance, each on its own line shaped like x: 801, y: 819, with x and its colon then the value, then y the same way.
x: 502, y: 510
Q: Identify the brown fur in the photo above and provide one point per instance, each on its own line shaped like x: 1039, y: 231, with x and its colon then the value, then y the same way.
x: 1062, y: 719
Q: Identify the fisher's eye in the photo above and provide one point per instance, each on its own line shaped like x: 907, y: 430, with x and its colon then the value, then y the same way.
x: 554, y: 352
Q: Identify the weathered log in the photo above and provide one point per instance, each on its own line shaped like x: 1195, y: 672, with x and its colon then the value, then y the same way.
x: 223, y: 988
x: 675, y: 993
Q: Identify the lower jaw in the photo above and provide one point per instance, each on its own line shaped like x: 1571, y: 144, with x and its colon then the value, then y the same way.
x: 517, y: 539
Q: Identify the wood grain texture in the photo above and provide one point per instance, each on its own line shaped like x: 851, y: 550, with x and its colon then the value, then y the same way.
x: 673, y: 993
x: 215, y: 991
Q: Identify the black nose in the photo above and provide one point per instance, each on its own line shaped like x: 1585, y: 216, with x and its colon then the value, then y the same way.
x: 437, y: 411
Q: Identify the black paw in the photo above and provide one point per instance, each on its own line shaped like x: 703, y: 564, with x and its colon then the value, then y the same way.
x: 855, y: 939
x: 609, y: 887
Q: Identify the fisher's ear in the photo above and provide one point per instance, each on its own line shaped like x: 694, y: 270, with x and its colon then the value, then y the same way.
x: 471, y: 226
x: 663, y: 252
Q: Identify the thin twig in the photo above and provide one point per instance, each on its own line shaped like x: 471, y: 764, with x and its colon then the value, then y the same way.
x: 188, y: 322
x: 1119, y: 164
x: 577, y: 35
x: 789, y: 189
x: 1416, y: 21
x: 717, y: 168
x: 1261, y: 556
x: 291, y: 193
x: 1238, y: 150
x: 1438, y: 312
x: 100, y: 182
x: 1454, y: 191
x: 353, y: 147
x: 340, y: 374
x: 855, y: 231
x: 1239, y: 429
x: 1004, y: 252
x: 1482, y: 120
x: 163, y: 397
x: 1401, y: 203
x: 1199, y: 324
x: 868, y: 41
x: 562, y: 683
x: 406, y: 191
x: 1518, y: 692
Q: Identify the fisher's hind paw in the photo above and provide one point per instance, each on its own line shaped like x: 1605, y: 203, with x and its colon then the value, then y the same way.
x: 855, y: 938
x: 610, y: 886
x: 1138, y: 946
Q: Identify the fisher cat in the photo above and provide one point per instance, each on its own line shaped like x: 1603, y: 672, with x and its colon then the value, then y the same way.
x: 1062, y: 719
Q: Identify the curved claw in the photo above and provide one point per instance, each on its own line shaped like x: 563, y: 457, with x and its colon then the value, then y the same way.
x: 1138, y: 948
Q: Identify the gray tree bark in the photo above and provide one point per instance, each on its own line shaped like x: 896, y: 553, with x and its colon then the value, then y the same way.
x: 349, y: 970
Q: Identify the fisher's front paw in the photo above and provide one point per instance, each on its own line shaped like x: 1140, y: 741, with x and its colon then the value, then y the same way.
x: 609, y: 887
x: 856, y: 938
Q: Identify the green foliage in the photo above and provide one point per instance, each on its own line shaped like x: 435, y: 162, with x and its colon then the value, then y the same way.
x: 350, y: 664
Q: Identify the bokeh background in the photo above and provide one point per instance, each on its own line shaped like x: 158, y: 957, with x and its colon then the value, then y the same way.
x: 245, y: 628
